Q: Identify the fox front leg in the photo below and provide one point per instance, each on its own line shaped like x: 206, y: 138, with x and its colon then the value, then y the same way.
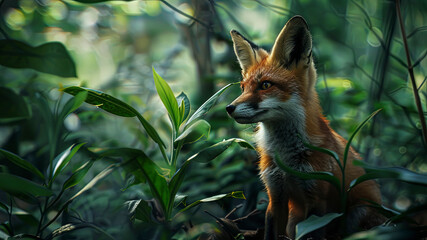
x: 276, y: 219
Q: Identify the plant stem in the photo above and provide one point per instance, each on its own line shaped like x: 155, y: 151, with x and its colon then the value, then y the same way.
x: 411, y: 74
x: 42, y: 214
x: 10, y: 215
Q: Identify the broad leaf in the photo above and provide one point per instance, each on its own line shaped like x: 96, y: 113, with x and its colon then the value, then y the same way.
x: 15, y: 159
x: 77, y: 175
x: 115, y: 106
x: 168, y: 99
x: 202, y: 110
x: 125, y: 153
x: 237, y: 194
x: 103, y: 101
x: 51, y: 57
x: 184, y: 105
x: 12, y: 106
x: 62, y: 160
x: 210, y: 153
x: 196, y: 131
x: 326, y: 176
x: 158, y: 185
x: 396, y: 173
x: 313, y: 223
x: 18, y: 186
x: 139, y: 209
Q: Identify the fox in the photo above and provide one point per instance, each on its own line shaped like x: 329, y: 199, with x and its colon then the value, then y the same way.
x: 278, y: 93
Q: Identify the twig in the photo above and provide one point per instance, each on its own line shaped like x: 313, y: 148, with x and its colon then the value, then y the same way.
x: 234, y: 209
x: 184, y: 14
x: 254, y: 212
x: 411, y: 74
x: 421, y: 85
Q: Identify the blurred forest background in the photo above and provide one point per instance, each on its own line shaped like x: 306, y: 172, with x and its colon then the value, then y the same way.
x: 111, y: 46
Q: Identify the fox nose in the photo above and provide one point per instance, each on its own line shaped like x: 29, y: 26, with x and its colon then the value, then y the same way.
x: 230, y: 109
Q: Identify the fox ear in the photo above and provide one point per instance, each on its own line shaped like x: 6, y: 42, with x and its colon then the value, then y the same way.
x: 246, y: 51
x: 293, y: 45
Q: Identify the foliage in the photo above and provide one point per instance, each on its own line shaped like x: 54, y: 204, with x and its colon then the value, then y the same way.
x: 164, y: 187
x: 85, y: 173
x: 41, y: 193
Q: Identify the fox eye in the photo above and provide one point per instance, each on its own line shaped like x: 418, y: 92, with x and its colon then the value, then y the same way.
x: 265, y: 85
x: 243, y: 88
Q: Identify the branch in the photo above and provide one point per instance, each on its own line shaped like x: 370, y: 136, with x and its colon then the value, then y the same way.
x: 184, y: 14
x: 411, y: 74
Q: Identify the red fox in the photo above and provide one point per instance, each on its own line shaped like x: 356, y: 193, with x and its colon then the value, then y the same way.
x: 278, y: 92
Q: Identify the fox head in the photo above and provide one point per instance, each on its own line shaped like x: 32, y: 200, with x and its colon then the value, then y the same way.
x: 276, y: 85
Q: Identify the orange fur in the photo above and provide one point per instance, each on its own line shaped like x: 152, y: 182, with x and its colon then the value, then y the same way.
x: 278, y: 92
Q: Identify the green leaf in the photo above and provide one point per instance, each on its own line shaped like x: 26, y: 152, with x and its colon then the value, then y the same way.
x: 130, y: 164
x: 326, y: 176
x: 237, y: 194
x: 15, y: 159
x: 408, y: 214
x: 396, y: 173
x: 158, y: 185
x: 347, y: 147
x: 326, y: 151
x: 196, y: 131
x: 12, y: 106
x: 168, y: 99
x: 70, y: 227
x: 3, y: 235
x: 2, y: 205
x: 73, y: 104
x: 383, y: 210
x: 313, y: 223
x: 62, y: 160
x: 206, y: 106
x: 176, y: 181
x: 24, y: 216
x: 103, y: 101
x: 180, y: 199
x: 184, y: 105
x: 210, y: 153
x: 99, y: 1
x: 51, y: 57
x: 94, y: 181
x: 115, y: 106
x: 18, y: 186
x: 139, y: 209
x: 393, y: 232
x: 77, y: 175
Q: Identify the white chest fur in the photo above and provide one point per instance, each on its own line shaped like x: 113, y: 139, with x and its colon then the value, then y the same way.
x: 283, y: 138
